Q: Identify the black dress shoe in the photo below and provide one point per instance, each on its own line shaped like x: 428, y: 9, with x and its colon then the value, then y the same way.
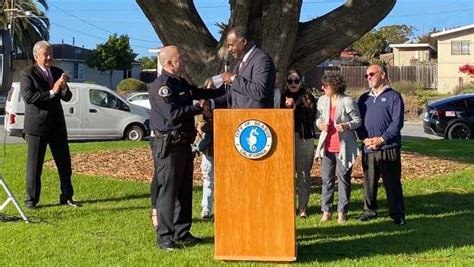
x: 167, y: 245
x: 189, y: 239
x: 399, y: 221
x: 367, y: 217
x: 70, y: 203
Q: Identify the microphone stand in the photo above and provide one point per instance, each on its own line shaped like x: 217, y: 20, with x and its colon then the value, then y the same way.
x: 226, y: 86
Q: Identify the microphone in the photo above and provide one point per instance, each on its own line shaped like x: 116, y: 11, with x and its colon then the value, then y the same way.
x: 226, y: 86
x: 226, y: 62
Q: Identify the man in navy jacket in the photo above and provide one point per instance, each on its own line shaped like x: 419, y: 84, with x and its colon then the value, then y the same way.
x: 381, y: 109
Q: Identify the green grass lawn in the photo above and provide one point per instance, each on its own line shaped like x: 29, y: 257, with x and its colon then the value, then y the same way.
x: 113, y: 227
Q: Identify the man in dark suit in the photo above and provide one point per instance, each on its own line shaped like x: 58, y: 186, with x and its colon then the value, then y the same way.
x: 42, y: 87
x: 253, y: 81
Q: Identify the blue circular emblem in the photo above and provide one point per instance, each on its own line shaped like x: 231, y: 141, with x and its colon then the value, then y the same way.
x: 253, y: 139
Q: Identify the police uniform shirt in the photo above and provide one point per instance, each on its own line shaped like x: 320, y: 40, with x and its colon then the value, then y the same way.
x: 171, y: 103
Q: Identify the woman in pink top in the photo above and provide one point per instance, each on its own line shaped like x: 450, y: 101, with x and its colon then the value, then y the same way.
x: 338, y: 117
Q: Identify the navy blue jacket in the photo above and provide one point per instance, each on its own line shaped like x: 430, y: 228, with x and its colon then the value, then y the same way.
x: 382, y: 116
x: 171, y: 100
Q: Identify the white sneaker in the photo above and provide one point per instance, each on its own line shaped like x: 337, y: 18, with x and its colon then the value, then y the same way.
x: 205, y: 215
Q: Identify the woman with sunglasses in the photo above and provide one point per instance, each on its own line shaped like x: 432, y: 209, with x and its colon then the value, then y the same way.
x: 304, y: 104
x: 338, y: 117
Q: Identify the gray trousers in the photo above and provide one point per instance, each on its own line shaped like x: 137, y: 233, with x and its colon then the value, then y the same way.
x: 332, y: 167
x: 304, y: 149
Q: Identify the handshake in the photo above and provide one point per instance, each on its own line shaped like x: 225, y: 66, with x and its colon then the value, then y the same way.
x: 206, y: 107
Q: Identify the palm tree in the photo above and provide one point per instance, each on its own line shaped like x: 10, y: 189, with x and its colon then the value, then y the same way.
x: 30, y: 23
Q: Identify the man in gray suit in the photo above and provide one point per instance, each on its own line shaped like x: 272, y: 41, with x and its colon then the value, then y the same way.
x: 253, y: 80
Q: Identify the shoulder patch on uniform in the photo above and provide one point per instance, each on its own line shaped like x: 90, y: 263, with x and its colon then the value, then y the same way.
x: 164, y: 91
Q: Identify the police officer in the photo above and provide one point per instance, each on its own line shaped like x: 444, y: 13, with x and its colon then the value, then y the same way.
x: 172, y: 124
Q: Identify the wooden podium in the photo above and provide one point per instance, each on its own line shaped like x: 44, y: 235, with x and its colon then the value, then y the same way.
x: 254, y: 198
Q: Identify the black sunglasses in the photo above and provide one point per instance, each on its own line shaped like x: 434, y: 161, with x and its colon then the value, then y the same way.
x: 371, y: 74
x: 289, y: 81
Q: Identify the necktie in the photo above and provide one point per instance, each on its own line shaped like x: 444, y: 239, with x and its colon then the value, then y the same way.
x: 48, y: 78
x: 241, y: 67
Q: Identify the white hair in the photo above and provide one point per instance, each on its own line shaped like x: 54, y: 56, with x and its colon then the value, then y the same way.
x: 39, y: 45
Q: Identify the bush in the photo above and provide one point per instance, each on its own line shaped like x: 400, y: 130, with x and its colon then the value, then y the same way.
x: 414, y: 106
x: 407, y: 88
x: 467, y: 88
x: 131, y: 85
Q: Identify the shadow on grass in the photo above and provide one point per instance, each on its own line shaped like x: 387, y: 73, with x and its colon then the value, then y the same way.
x: 435, y: 221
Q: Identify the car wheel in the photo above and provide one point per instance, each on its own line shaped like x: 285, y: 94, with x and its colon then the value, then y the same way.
x: 134, y: 133
x: 459, y: 130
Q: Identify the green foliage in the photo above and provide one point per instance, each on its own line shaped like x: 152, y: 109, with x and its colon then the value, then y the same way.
x: 113, y: 228
x: 115, y: 54
x: 426, y: 38
x: 376, y: 41
x: 396, y: 34
x: 370, y: 45
x: 27, y: 31
x: 148, y: 62
x: 408, y: 88
x: 131, y: 85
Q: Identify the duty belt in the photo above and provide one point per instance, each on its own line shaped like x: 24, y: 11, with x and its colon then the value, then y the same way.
x: 176, y: 136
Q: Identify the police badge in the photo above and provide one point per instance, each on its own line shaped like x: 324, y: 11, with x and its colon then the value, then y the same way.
x: 164, y: 91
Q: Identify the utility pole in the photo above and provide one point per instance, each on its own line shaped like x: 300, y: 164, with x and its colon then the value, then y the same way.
x: 11, y: 24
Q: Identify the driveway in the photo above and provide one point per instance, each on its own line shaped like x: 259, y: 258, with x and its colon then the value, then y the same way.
x: 10, y: 139
x: 414, y: 129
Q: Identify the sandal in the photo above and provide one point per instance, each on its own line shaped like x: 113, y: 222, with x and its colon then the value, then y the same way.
x: 154, y: 218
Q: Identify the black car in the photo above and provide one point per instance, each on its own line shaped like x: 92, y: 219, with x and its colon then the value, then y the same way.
x: 451, y: 117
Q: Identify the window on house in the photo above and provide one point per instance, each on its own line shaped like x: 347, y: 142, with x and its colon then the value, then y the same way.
x: 79, y: 71
x: 460, y: 48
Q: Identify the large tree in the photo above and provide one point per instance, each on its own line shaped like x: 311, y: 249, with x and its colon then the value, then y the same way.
x: 30, y: 23
x: 275, y: 26
x: 377, y: 41
x: 115, y: 54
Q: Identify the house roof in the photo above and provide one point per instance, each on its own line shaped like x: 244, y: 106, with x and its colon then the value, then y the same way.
x: 463, y: 28
x: 412, y: 46
x: 67, y: 51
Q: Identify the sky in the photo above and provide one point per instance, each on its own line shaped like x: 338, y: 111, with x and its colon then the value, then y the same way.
x: 91, y: 22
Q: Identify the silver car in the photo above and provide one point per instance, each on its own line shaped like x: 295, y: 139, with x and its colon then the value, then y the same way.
x: 140, y: 99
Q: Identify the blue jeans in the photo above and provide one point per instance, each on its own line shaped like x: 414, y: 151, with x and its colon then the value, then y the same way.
x: 207, y: 169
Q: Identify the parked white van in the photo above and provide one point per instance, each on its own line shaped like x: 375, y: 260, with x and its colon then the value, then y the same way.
x: 94, y: 113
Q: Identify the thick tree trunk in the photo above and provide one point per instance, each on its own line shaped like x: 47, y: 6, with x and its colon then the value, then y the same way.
x: 275, y: 27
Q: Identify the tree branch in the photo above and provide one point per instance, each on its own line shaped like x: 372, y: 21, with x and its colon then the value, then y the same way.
x: 178, y: 23
x: 331, y: 33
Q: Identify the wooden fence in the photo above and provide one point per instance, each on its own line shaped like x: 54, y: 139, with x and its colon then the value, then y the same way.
x: 425, y: 75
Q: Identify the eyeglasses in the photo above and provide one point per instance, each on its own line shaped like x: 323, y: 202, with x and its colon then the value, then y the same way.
x: 290, y: 81
x: 371, y: 74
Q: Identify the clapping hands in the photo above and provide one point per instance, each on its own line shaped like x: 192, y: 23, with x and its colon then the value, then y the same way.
x: 61, y: 83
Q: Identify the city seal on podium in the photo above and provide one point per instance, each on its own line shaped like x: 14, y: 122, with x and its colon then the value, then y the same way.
x: 253, y: 139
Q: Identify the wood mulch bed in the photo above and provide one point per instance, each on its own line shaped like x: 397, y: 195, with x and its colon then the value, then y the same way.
x: 137, y: 165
